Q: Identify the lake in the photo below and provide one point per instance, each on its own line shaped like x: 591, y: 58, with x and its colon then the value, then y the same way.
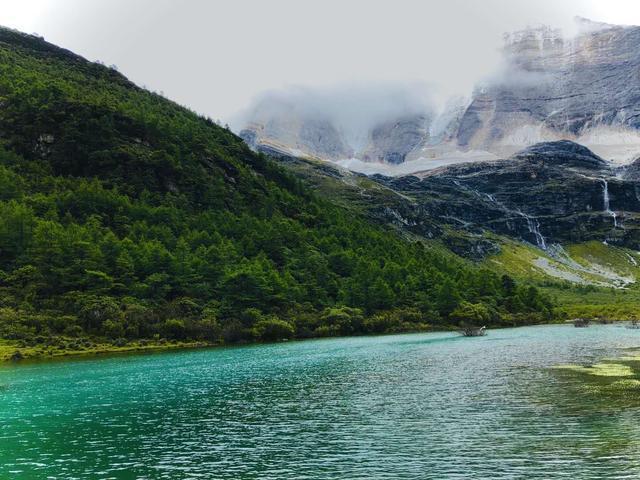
x: 432, y: 405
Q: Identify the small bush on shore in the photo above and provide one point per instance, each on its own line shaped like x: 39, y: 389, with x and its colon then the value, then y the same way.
x: 271, y: 329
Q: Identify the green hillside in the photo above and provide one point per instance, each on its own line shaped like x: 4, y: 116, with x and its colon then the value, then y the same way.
x: 592, y: 279
x: 125, y: 216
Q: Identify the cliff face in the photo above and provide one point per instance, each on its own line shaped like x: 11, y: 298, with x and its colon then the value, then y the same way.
x: 281, y: 126
x: 557, y: 192
x: 394, y: 141
x: 391, y: 141
x: 586, y: 88
x: 549, y: 194
x: 297, y: 136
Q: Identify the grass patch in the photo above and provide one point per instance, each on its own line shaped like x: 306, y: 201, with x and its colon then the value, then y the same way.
x: 587, y: 262
x: 618, y: 259
x: 10, y: 349
x: 517, y: 259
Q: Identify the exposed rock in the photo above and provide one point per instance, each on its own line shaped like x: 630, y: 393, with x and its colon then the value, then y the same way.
x: 392, y: 142
x: 301, y: 136
x: 563, y: 152
x: 278, y: 124
x: 474, y: 247
x: 552, y: 192
x: 584, y: 88
x: 632, y: 172
x: 548, y: 194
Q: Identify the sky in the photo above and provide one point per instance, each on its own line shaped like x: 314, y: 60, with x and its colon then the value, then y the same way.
x: 217, y: 56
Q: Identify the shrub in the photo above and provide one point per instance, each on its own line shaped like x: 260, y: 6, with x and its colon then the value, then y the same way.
x: 174, y: 329
x: 113, y: 329
x: 327, y: 331
x: 271, y: 329
x: 95, y: 310
x: 206, y: 329
x: 471, y: 314
x: 73, y: 331
x: 345, y: 320
x: 234, y: 332
x: 382, y: 322
x: 251, y: 316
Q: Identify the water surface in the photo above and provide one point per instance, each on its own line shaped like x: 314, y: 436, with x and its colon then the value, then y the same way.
x: 393, y: 407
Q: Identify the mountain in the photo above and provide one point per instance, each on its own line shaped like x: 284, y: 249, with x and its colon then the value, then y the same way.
x: 383, y: 124
x: 125, y: 216
x: 394, y: 141
x: 417, y: 134
x: 554, y: 214
x: 550, y: 87
x: 584, y: 88
x: 279, y: 125
x: 556, y: 192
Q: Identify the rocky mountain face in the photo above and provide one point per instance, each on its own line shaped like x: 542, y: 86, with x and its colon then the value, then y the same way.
x: 311, y: 137
x: 279, y: 126
x: 394, y: 141
x: 558, y: 192
x: 550, y: 193
x: 585, y: 89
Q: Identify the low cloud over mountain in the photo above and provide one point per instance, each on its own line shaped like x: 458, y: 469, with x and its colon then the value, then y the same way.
x: 548, y: 87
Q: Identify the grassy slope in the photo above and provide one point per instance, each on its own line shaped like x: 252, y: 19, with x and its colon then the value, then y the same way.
x: 589, y: 298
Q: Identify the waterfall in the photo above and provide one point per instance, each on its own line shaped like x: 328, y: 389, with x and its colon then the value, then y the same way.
x: 534, y: 227
x: 479, y: 194
x: 607, y: 207
x: 532, y: 223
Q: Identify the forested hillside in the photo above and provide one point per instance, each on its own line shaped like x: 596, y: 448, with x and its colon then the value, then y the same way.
x: 126, y: 216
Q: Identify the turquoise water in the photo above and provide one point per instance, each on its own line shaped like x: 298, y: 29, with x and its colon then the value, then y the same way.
x: 403, y: 407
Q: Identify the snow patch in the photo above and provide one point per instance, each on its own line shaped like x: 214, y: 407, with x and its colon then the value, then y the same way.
x: 428, y: 160
x: 621, y: 145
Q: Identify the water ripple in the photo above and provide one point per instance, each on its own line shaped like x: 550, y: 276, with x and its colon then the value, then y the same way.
x: 393, y: 407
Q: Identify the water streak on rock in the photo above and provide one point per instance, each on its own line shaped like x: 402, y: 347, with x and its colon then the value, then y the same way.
x: 607, y: 203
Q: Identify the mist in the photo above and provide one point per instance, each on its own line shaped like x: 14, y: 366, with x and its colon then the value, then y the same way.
x: 216, y: 56
x: 354, y: 109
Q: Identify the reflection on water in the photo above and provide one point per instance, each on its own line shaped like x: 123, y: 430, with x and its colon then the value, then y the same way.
x: 406, y: 406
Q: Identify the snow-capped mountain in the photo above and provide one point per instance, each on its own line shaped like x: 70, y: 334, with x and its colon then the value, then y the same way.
x: 585, y: 88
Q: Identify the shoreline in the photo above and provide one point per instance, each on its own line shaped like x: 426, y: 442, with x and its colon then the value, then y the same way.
x: 27, y: 354
x: 44, y: 353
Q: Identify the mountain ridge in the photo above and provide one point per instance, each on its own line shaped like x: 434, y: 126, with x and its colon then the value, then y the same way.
x: 549, y: 88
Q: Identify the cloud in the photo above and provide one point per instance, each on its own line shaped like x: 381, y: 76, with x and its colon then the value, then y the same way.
x: 353, y: 108
x: 215, y: 55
